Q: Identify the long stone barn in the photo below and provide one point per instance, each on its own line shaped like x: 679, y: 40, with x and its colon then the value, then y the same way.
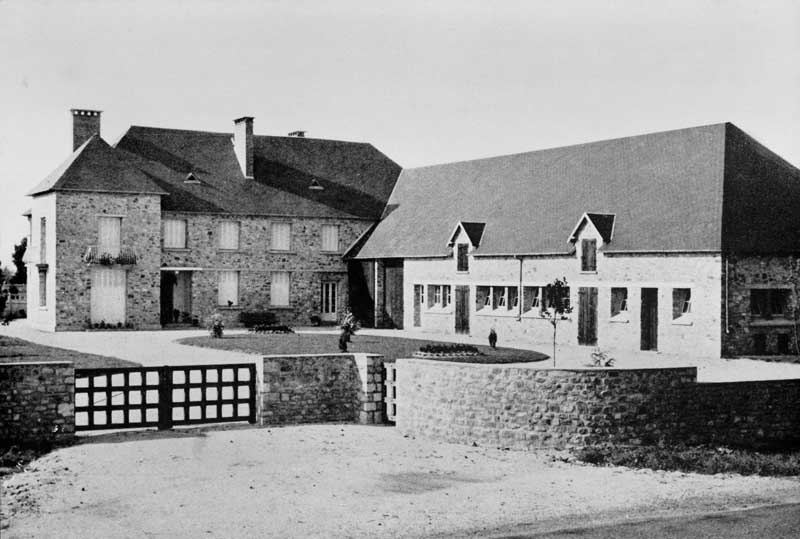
x: 677, y: 241
x: 168, y: 226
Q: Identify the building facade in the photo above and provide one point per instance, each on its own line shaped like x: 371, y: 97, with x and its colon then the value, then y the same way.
x: 168, y: 227
x: 684, y: 241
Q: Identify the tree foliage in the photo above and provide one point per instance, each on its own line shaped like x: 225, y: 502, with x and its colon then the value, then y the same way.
x: 557, y: 306
x: 21, y: 275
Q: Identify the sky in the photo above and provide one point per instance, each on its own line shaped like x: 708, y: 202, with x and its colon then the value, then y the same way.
x: 424, y: 82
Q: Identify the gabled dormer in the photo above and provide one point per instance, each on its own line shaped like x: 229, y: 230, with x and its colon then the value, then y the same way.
x: 466, y: 237
x: 592, y: 231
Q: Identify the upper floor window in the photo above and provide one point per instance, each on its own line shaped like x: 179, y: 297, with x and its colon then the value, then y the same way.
x: 229, y: 235
x: 174, y: 234
x: 463, y: 258
x: 330, y: 238
x: 769, y: 302
x: 109, y: 235
x: 588, y: 255
x: 43, y: 240
x: 281, y: 236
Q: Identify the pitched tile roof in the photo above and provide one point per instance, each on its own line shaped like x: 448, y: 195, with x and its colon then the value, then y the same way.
x: 96, y: 166
x: 349, y: 179
x: 665, y: 190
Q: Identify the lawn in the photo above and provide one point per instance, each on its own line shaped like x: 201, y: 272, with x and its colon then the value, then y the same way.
x: 13, y: 350
x: 318, y: 343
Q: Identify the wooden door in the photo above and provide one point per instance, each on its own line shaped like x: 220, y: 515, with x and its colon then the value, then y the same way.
x: 393, y: 293
x: 462, y: 309
x: 649, y: 319
x: 419, y: 297
x: 587, y: 316
x: 108, y: 295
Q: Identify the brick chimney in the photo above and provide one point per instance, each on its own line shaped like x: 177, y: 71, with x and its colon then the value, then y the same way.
x: 85, y: 123
x: 243, y: 144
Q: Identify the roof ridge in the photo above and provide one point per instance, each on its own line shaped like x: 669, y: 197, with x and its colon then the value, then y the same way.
x: 589, y: 143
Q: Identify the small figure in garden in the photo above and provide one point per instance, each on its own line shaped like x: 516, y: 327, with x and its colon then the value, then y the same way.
x: 349, y: 327
x: 216, y: 326
x: 492, y: 338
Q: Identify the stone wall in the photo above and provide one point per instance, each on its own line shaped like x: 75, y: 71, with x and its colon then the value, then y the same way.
x: 255, y: 261
x: 525, y: 408
x: 77, y: 227
x: 739, y: 327
x: 36, y: 402
x: 322, y: 388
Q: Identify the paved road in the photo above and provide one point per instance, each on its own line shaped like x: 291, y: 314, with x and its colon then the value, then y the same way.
x: 775, y: 522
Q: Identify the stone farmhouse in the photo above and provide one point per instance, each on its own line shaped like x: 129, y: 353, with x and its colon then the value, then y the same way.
x: 168, y: 226
x: 673, y: 241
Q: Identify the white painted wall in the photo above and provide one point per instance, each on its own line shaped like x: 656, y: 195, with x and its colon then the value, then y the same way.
x: 42, y: 317
x: 699, y: 332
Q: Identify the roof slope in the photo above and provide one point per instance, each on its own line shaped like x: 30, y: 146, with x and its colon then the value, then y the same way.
x: 96, y: 166
x: 356, y: 178
x: 665, y: 190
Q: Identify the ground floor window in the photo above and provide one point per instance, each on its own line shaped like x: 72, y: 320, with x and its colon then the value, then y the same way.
x: 228, y: 290
x: 279, y: 289
x: 43, y: 288
x: 328, y: 300
x: 681, y: 302
x: 768, y: 302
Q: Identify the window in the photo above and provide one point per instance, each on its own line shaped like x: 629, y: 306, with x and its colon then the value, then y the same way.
x: 281, y: 236
x: 279, y: 288
x: 109, y: 236
x: 174, y: 234
x: 513, y: 298
x: 783, y: 343
x: 768, y: 302
x: 681, y: 302
x: 42, y: 288
x: 549, y: 298
x: 483, y: 297
x: 619, y: 301
x: 437, y: 295
x: 500, y: 297
x: 588, y: 255
x: 229, y: 235
x: 228, y: 290
x: 43, y: 240
x: 330, y: 238
x: 531, y: 299
x: 446, y: 297
x: 463, y: 258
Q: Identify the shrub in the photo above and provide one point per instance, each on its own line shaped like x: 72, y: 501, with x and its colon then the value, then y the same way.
x: 448, y: 349
x: 263, y: 328
x: 251, y: 319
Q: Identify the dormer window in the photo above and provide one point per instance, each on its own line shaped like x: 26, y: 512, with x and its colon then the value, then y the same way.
x: 315, y: 185
x: 191, y: 178
x: 463, y: 257
x: 464, y: 236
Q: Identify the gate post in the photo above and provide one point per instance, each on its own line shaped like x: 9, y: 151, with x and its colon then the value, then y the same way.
x: 164, y: 398
x: 254, y: 389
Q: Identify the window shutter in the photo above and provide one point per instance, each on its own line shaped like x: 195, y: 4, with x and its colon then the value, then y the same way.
x: 228, y: 288
x: 330, y: 238
x: 175, y: 233
x: 279, y: 288
x: 109, y: 236
x: 229, y: 235
x: 281, y: 236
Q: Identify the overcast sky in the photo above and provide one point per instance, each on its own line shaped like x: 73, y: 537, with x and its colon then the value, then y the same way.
x: 424, y: 83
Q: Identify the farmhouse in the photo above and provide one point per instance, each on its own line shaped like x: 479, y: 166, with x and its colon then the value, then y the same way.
x: 677, y: 241
x: 168, y: 226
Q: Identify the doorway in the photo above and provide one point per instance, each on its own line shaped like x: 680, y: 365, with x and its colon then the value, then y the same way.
x: 419, y: 298
x: 176, y: 297
x: 587, y: 316
x: 109, y: 287
x: 462, y: 309
x: 328, y: 301
x: 649, y: 319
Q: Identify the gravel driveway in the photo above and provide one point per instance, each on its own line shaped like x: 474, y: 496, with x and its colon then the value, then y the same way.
x: 338, y: 481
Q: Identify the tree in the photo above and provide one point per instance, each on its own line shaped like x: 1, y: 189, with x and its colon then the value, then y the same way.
x: 21, y: 276
x: 556, y: 296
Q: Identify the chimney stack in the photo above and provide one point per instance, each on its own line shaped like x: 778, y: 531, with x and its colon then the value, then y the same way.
x: 85, y: 123
x: 243, y: 144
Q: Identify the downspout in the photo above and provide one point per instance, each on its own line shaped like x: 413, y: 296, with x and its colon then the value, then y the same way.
x: 727, y: 324
x: 519, y: 292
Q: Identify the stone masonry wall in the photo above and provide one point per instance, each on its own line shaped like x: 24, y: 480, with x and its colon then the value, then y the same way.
x: 322, y: 388
x: 524, y: 408
x: 307, y: 264
x: 36, y: 402
x: 744, y: 275
x: 77, y: 227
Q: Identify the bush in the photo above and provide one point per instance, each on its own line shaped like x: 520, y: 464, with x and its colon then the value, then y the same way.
x: 699, y: 459
x: 263, y: 328
x: 251, y: 319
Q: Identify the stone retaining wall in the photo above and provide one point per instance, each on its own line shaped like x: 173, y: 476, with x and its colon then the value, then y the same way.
x: 36, y: 402
x: 526, y: 408
x: 322, y: 388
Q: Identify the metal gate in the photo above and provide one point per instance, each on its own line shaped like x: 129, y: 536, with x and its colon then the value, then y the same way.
x: 163, y: 397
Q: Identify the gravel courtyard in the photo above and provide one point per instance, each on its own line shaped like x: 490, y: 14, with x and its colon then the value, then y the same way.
x: 338, y: 481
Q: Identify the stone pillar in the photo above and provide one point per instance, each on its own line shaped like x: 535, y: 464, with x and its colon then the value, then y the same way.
x: 371, y: 374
